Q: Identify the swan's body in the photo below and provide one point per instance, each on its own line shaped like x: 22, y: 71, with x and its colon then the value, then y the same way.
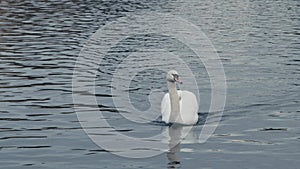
x: 178, y: 106
x: 188, y: 107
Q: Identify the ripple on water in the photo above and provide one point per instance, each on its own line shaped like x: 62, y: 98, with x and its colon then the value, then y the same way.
x: 257, y: 42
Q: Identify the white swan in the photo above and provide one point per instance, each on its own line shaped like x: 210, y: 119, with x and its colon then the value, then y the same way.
x: 178, y: 106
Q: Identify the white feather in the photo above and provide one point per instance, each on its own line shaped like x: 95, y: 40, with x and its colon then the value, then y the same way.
x: 188, y: 107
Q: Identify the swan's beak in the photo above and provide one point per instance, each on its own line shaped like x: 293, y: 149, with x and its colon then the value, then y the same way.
x: 178, y: 80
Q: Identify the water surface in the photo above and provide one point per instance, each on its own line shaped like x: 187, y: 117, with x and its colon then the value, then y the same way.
x: 258, y: 43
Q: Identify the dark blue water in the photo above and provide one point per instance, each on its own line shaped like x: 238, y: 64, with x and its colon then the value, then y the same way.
x: 258, y: 43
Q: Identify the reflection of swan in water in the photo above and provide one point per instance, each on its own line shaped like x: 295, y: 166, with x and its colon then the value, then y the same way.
x: 178, y: 134
x: 178, y: 106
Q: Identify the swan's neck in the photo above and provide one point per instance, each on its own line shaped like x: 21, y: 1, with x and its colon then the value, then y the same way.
x: 174, y: 99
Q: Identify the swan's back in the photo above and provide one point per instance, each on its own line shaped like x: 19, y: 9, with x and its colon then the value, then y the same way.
x: 188, y: 107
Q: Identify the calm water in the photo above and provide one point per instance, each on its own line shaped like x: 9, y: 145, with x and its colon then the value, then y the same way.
x: 257, y: 41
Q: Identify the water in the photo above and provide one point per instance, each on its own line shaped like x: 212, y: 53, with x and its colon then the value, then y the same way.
x: 258, y: 43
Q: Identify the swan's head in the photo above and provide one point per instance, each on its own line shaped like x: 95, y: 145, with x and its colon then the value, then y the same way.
x: 172, y: 76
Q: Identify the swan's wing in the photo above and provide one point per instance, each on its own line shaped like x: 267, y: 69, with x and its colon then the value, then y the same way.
x: 166, y: 108
x: 188, y: 106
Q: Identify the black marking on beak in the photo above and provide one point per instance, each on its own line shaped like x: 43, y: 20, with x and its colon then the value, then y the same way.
x: 176, y: 78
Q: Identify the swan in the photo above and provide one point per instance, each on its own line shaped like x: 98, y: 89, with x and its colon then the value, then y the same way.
x: 178, y: 106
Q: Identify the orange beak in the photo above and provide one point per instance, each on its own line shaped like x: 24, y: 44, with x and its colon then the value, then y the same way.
x: 178, y: 80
